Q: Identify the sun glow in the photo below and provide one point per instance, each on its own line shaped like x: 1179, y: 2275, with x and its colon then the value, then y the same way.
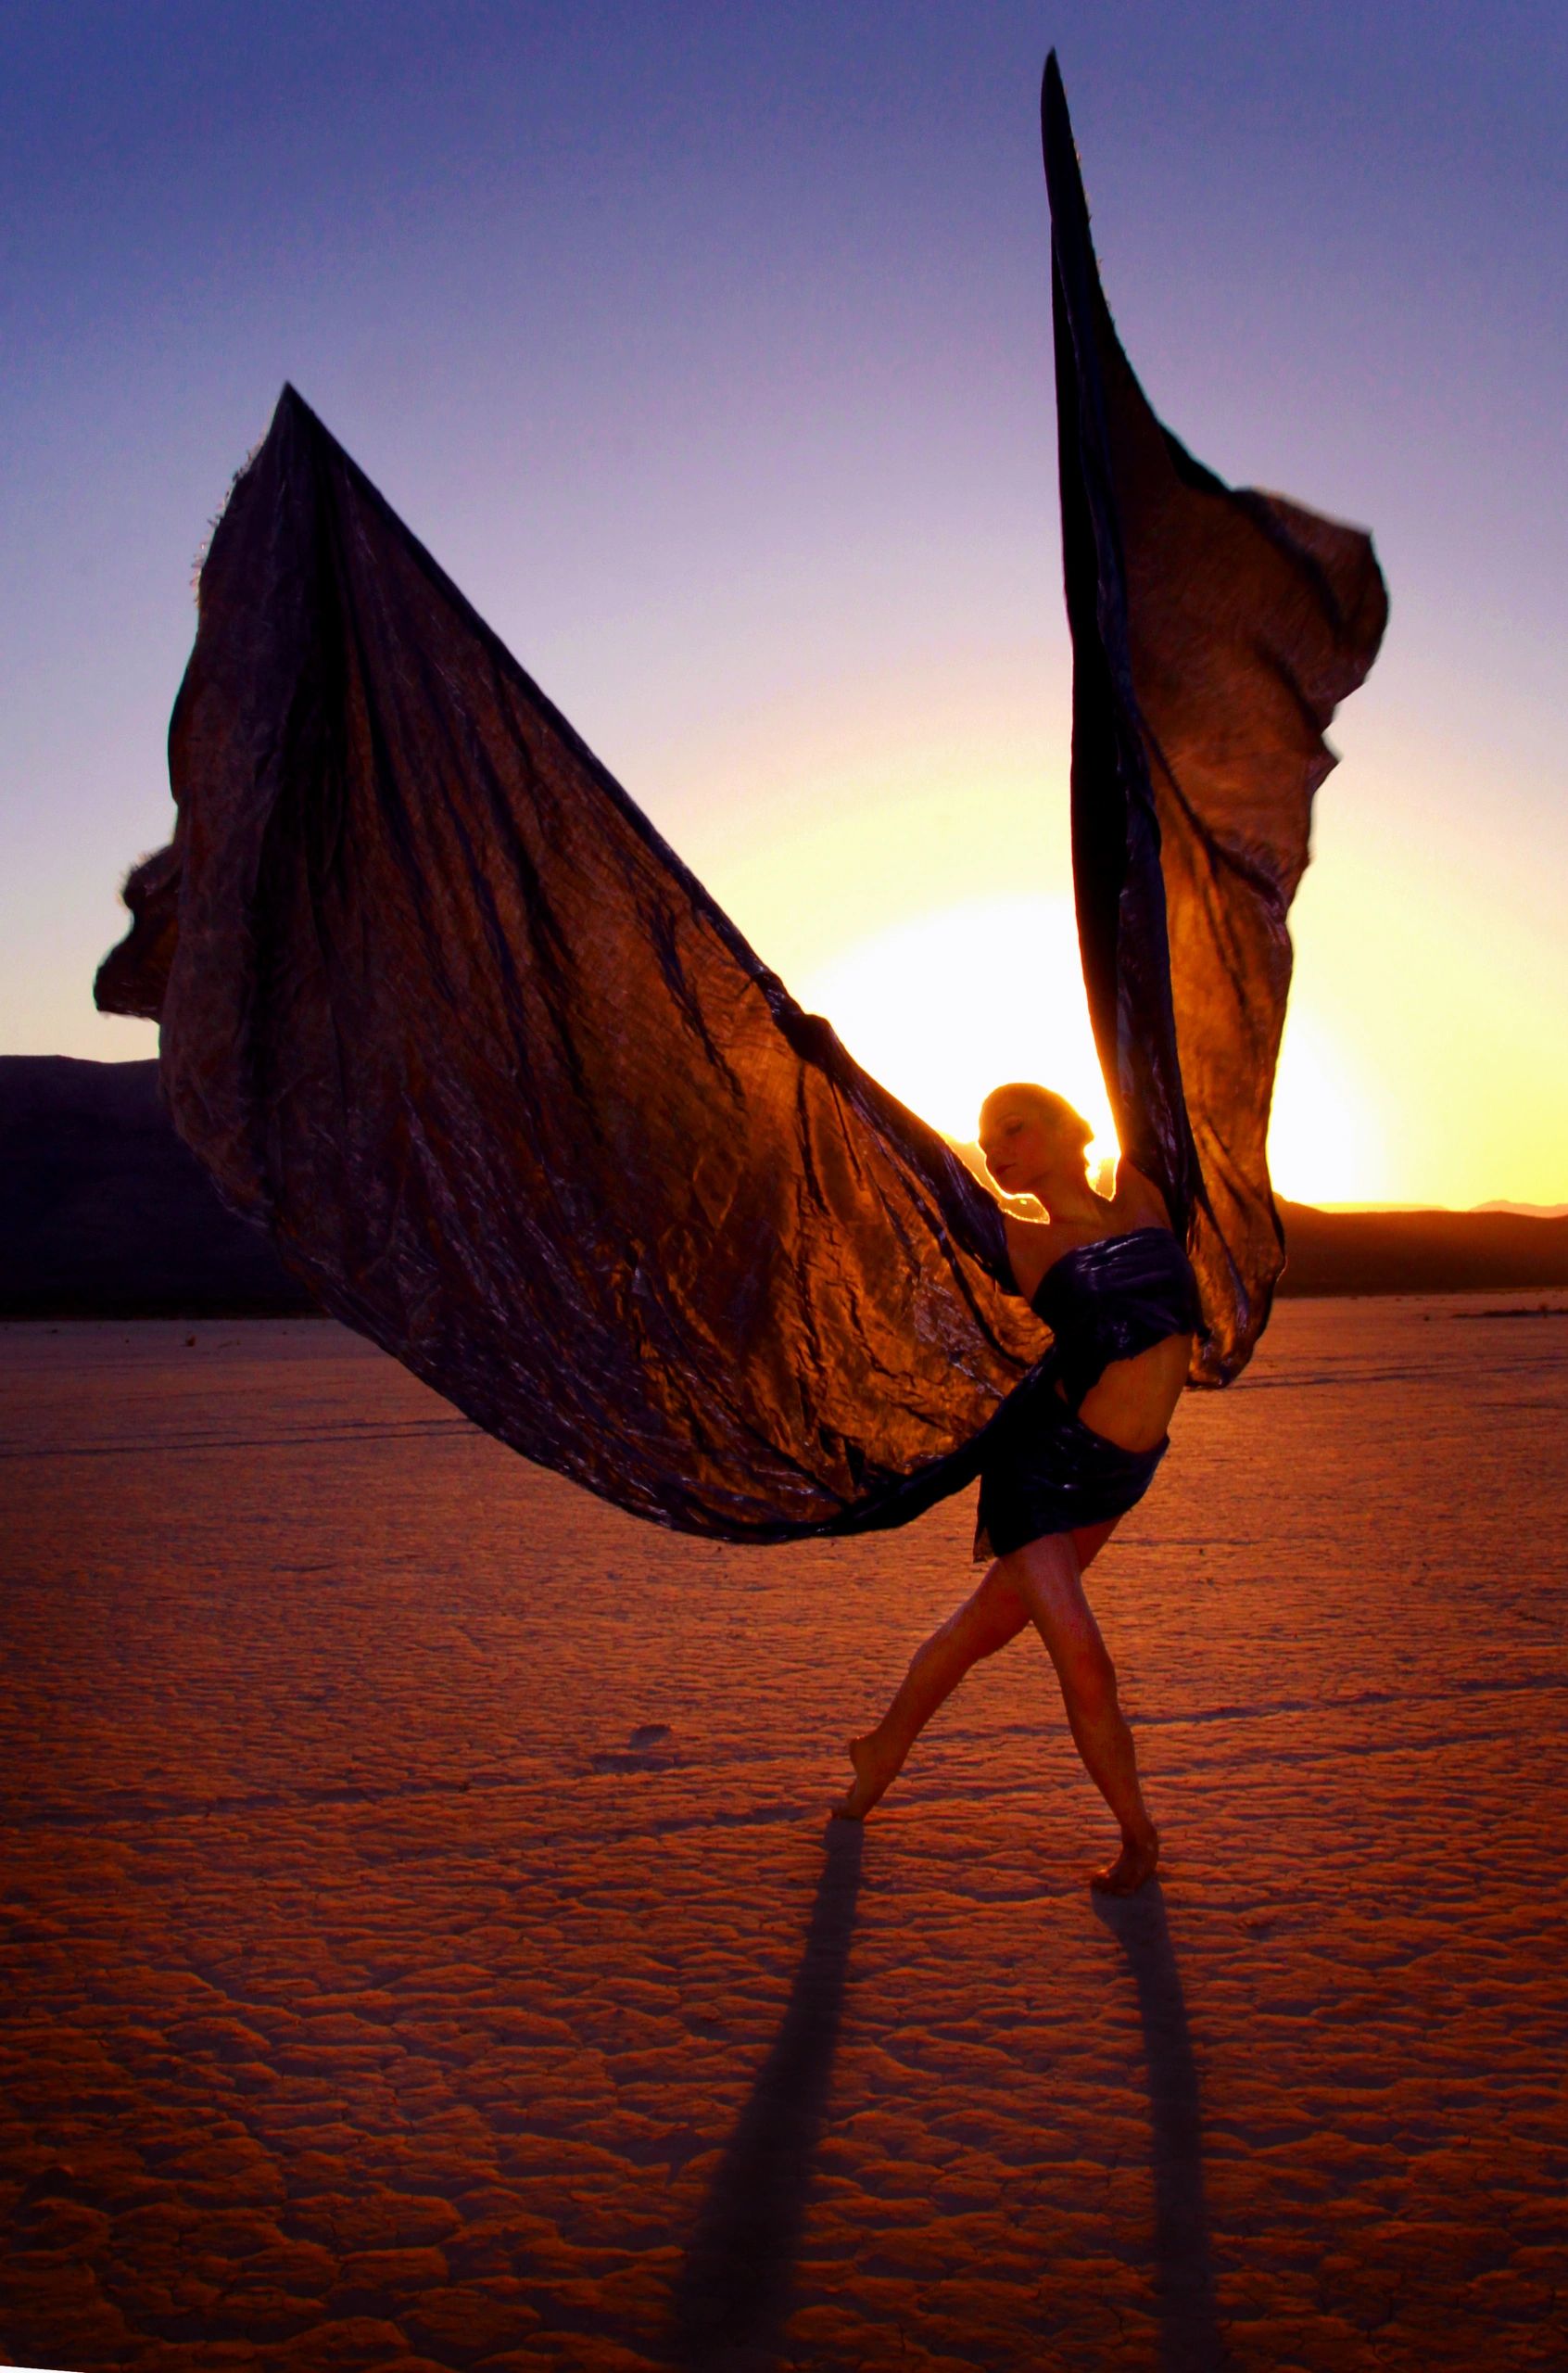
x: 944, y: 1007
x: 948, y: 1005
x: 1325, y: 1145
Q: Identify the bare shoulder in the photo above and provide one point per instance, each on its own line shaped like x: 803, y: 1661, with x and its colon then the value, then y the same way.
x: 1138, y: 1202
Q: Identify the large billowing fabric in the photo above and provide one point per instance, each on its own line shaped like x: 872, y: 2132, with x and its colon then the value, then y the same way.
x: 1214, y: 633
x: 441, y: 1011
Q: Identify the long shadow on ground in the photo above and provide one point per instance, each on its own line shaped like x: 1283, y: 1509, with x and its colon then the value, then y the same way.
x: 737, y: 2283
x: 1189, y: 2335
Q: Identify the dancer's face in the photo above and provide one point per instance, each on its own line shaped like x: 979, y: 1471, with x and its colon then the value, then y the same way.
x: 1021, y: 1148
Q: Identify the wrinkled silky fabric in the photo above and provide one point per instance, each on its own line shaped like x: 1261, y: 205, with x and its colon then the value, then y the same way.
x: 512, y: 1096
x: 441, y: 1011
x: 1046, y: 1471
x: 1214, y: 633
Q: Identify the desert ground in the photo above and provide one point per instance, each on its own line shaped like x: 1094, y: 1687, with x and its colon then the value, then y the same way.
x: 424, y: 1947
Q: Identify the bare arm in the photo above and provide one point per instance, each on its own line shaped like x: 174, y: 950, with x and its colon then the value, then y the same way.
x: 1138, y: 1202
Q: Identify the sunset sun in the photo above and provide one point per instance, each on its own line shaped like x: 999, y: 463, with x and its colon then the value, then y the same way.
x: 945, y: 1007
x: 948, y: 1005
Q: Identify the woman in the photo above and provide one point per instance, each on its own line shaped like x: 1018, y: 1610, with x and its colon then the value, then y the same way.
x: 1075, y: 1448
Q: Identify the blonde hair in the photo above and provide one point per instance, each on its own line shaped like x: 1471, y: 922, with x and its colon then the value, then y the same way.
x: 1045, y: 1105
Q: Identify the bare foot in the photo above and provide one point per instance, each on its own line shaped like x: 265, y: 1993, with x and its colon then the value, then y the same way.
x: 873, y: 1773
x: 1138, y: 1861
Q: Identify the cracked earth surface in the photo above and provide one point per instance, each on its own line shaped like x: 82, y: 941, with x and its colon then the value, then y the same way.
x: 424, y: 1947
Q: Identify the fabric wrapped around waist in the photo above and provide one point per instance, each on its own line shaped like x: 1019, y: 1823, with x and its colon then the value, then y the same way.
x: 1046, y: 1471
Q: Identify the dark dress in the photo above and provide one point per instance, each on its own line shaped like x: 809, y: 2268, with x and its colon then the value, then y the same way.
x: 1045, y: 1470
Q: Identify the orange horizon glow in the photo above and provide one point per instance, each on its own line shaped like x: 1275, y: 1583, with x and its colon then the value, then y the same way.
x: 881, y: 866
x: 875, y: 862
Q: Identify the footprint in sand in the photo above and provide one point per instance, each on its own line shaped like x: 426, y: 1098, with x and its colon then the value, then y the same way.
x: 648, y: 1749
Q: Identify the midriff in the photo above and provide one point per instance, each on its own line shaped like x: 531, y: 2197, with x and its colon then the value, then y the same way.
x: 1131, y: 1402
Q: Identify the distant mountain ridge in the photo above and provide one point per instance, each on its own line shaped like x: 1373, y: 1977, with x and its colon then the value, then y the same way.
x: 1525, y: 1211
x: 1419, y: 1253
x: 103, y: 1213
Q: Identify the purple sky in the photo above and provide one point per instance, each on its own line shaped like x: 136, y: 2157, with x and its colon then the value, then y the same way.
x: 708, y: 346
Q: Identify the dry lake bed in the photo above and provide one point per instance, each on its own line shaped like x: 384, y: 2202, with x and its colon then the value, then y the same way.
x: 424, y: 1946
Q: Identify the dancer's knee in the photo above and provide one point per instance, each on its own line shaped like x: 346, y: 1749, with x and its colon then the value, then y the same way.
x: 995, y: 1614
x: 992, y: 1633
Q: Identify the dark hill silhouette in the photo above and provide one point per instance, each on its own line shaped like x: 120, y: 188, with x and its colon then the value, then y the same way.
x: 103, y: 1213
x: 1419, y: 1252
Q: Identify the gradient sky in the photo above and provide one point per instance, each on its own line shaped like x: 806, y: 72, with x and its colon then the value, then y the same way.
x: 708, y: 347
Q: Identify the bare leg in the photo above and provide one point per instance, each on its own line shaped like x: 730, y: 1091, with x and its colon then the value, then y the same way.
x: 992, y: 1616
x: 1045, y: 1575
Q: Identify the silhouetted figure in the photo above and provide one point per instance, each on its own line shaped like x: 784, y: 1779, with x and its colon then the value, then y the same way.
x: 1079, y: 1448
